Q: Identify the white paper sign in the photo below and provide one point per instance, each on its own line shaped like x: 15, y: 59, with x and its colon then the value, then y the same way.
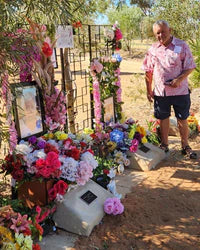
x: 64, y: 35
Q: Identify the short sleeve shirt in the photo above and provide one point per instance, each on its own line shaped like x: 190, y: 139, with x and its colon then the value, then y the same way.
x: 167, y: 63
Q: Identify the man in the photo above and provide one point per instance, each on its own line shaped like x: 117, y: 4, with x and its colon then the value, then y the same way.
x: 169, y: 62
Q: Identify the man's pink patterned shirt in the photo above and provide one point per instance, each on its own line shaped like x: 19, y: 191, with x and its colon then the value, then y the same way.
x: 167, y: 63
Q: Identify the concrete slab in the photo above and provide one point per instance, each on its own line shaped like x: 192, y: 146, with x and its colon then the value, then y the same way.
x: 61, y: 240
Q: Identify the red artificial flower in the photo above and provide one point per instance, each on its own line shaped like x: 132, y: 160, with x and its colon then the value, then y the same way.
x: 27, y: 232
x: 83, y: 144
x: 49, y: 148
x: 18, y: 175
x: 36, y: 246
x: 77, y: 24
x: 39, y: 228
x: 52, y: 160
x: 46, y: 49
x: 106, y: 171
x: 93, y: 135
x: 74, y: 153
x: 61, y: 187
x: 68, y: 140
x: 41, y: 163
x: 91, y: 151
x: 52, y: 194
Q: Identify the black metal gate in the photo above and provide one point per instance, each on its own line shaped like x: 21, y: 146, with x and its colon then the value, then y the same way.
x: 89, y: 43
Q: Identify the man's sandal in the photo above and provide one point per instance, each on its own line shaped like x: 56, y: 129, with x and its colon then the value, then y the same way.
x: 188, y: 151
x: 164, y: 147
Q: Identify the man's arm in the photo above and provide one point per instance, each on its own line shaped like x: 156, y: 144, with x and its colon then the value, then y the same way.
x: 148, y: 79
x: 177, y: 81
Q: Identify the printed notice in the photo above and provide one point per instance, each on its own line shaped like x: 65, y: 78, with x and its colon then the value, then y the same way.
x: 64, y: 35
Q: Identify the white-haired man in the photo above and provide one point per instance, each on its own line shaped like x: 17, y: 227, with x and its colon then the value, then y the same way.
x: 169, y: 61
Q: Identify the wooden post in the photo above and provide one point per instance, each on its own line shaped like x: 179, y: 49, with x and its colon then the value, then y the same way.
x: 69, y: 92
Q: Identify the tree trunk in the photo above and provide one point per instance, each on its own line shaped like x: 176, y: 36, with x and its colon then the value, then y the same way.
x: 70, y: 92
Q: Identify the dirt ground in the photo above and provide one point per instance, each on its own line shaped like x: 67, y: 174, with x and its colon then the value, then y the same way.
x: 163, y: 212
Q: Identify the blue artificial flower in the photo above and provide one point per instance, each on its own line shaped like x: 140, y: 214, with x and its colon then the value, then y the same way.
x: 116, y: 136
x: 118, y: 57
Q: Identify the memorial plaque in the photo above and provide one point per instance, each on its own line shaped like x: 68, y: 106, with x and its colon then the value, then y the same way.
x: 144, y: 149
x: 88, y: 197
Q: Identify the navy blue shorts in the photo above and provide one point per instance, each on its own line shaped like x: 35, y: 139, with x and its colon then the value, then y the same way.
x: 180, y: 103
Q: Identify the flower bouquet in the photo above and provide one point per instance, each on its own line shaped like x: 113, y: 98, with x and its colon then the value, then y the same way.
x: 193, y: 125
x: 60, y: 158
x: 17, y: 231
x: 153, y: 131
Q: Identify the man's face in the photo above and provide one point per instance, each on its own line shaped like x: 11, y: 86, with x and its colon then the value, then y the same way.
x: 162, y: 33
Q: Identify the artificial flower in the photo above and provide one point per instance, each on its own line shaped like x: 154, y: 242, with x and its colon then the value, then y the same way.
x: 46, y: 49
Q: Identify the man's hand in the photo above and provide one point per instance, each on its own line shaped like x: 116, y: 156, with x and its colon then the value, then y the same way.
x: 175, y: 83
x: 150, y: 96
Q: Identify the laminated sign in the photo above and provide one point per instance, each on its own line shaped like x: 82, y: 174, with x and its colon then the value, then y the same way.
x: 64, y: 35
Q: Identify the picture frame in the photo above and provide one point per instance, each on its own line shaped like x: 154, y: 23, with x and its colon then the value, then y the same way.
x: 28, y: 110
x: 109, y: 110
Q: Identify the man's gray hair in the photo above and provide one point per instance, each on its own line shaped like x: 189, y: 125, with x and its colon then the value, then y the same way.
x: 161, y: 22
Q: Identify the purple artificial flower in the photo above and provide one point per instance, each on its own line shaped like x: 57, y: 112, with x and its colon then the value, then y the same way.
x: 138, y: 136
x: 41, y: 144
x: 32, y: 139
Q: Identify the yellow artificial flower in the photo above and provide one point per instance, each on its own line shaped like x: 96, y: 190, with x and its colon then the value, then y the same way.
x: 5, y: 234
x: 131, y: 133
x: 50, y: 136
x: 111, y: 146
x: 144, y: 140
x: 63, y: 136
x: 88, y: 131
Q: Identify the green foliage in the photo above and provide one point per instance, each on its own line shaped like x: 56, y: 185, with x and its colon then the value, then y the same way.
x: 129, y: 19
x: 183, y: 17
x: 145, y: 5
x: 195, y: 46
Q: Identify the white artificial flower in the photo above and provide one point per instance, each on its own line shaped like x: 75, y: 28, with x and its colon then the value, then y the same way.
x: 68, y: 168
x: 109, y: 33
x: 89, y: 158
x: 54, y: 143
x: 39, y: 154
x: 23, y: 149
x: 59, y: 198
x: 112, y: 173
x: 120, y: 168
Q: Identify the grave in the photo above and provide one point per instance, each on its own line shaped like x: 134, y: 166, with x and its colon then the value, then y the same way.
x: 82, y: 208
x: 146, y: 157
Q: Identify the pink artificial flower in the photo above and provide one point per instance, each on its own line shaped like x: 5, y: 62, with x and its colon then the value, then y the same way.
x: 118, y: 34
x: 134, y: 145
x: 20, y: 224
x: 84, y: 173
x: 113, y: 206
x: 97, y: 66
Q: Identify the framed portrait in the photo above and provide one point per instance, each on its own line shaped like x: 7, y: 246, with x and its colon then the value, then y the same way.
x: 54, y: 59
x: 109, y: 110
x: 28, y: 110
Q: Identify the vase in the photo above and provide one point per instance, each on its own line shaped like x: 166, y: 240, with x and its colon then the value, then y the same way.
x: 34, y: 192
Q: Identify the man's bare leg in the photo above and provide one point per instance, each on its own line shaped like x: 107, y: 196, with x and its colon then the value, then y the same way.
x: 164, y: 130
x: 184, y: 132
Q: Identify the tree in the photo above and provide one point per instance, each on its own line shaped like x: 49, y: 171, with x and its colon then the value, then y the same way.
x: 144, y: 5
x: 183, y: 16
x: 129, y: 19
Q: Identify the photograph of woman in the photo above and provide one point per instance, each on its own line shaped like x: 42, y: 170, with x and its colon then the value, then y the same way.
x: 29, y: 111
